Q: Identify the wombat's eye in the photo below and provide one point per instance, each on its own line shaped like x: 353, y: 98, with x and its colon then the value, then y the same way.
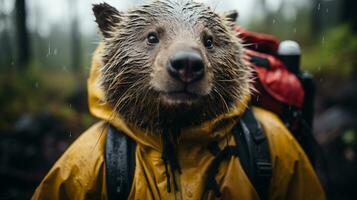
x: 152, y: 38
x: 208, y: 42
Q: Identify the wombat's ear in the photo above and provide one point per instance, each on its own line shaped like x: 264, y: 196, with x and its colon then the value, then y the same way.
x: 106, y: 17
x: 231, y: 15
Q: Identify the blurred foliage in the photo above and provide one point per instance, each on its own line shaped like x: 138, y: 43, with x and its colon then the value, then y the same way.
x: 332, y: 53
x: 40, y: 90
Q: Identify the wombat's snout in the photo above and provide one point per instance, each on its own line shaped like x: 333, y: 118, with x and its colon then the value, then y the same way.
x: 186, y: 66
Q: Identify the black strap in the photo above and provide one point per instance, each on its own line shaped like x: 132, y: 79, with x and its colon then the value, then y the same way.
x: 253, y: 151
x: 119, y: 163
x: 220, y: 156
x: 259, y: 61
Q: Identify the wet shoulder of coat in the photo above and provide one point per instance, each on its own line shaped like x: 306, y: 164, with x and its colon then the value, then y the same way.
x: 79, y: 173
x: 293, y: 175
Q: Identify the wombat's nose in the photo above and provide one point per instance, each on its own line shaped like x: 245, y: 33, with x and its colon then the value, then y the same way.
x: 186, y: 66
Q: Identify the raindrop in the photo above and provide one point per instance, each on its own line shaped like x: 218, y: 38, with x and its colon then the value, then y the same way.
x: 36, y: 85
x: 295, y: 30
x: 55, y: 52
x: 323, y: 40
x: 49, y: 49
x: 318, y: 6
x: 70, y: 134
x: 70, y: 105
x: 274, y: 21
x: 326, y: 10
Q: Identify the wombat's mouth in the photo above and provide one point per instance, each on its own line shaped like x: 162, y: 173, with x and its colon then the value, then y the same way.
x: 182, y: 97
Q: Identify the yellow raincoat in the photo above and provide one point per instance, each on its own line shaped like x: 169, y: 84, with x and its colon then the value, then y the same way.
x: 80, y: 172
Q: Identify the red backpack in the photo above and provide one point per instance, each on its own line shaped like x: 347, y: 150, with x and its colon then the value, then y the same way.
x: 281, y: 86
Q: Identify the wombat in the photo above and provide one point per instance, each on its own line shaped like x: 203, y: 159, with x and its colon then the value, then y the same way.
x: 171, y: 64
x: 171, y: 76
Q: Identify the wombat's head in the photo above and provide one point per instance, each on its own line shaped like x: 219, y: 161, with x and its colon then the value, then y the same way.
x: 170, y: 63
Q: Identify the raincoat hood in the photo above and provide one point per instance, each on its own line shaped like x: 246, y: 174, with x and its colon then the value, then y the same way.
x: 102, y: 110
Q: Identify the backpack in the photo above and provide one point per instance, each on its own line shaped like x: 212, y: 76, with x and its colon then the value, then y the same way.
x: 281, y: 88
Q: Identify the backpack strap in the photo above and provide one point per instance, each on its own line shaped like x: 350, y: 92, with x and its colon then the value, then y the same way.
x: 253, y: 152
x: 119, y: 163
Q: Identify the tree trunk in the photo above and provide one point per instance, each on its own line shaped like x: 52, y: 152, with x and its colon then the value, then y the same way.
x: 76, y: 50
x: 76, y: 46
x: 349, y: 13
x: 316, y: 17
x: 5, y: 40
x: 23, y: 44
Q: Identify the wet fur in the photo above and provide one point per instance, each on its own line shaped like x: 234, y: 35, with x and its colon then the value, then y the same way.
x: 129, y: 64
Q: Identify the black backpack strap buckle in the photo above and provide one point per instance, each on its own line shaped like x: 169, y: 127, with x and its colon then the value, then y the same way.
x: 264, y: 169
